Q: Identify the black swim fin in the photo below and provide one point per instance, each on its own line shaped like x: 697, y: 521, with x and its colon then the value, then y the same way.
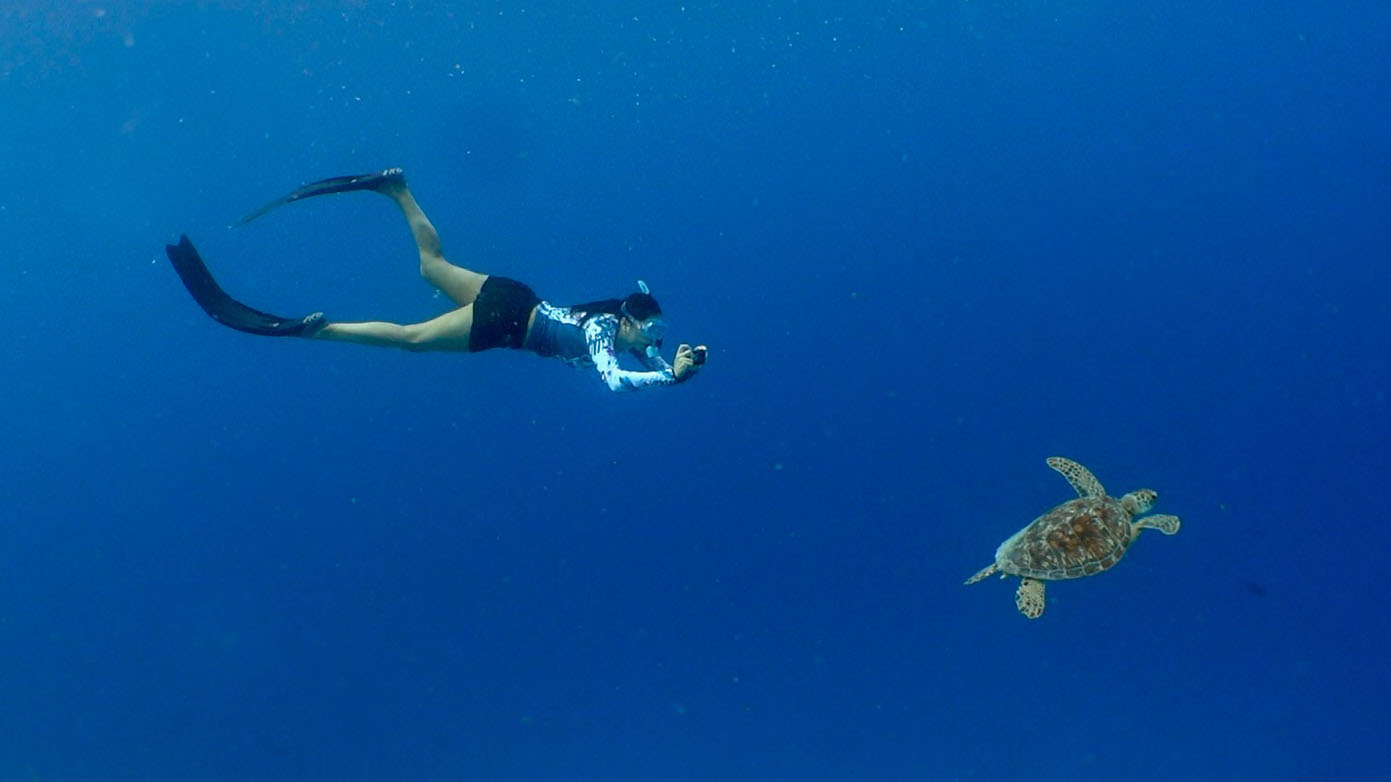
x: 337, y: 184
x: 226, y: 310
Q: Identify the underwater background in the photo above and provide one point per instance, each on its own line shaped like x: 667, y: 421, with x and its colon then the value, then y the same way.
x: 928, y: 243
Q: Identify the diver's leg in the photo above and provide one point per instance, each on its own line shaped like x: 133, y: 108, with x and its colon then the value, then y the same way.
x: 460, y: 284
x: 449, y: 331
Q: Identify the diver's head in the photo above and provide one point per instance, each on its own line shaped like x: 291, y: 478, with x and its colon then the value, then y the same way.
x: 642, y: 318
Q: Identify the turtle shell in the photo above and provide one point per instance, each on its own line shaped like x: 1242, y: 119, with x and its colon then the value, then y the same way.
x: 1078, y: 538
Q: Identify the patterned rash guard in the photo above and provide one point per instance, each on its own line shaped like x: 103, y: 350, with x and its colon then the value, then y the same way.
x: 557, y: 332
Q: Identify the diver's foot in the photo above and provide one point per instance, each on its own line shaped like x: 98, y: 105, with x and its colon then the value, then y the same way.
x: 310, y: 325
x: 389, y: 182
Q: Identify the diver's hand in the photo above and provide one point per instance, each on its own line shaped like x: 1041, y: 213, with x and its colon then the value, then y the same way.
x: 688, y: 362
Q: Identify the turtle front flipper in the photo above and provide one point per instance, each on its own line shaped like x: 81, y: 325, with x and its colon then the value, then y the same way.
x: 1029, y: 598
x: 1080, y: 477
x: 1161, y: 521
x: 982, y: 574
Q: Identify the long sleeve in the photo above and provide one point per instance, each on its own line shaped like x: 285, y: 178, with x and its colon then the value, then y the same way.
x: 652, y: 359
x: 599, y: 334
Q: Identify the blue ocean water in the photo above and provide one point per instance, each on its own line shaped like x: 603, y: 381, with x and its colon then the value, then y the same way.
x: 929, y: 245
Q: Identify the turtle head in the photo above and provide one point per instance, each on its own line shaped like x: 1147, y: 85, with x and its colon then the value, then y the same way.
x: 1139, y: 501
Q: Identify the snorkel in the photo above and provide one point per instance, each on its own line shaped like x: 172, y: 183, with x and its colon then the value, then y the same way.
x: 646, y: 315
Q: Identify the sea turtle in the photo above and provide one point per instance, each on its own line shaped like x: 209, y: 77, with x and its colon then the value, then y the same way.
x: 1078, y: 538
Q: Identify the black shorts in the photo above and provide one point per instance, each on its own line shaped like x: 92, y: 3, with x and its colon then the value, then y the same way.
x: 500, y: 314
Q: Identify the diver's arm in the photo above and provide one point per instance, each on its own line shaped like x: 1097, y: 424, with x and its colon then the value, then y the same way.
x: 652, y: 359
x: 599, y: 334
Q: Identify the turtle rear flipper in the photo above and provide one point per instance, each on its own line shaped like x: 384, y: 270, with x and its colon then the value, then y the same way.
x: 1161, y: 521
x: 1029, y: 598
x: 985, y: 573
